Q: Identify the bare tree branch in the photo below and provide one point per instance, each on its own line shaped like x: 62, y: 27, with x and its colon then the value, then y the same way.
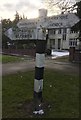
x: 62, y: 5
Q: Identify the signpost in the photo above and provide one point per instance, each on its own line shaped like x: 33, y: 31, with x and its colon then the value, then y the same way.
x: 62, y: 21
x: 36, y: 26
x: 59, y: 21
x: 40, y: 25
x: 31, y: 23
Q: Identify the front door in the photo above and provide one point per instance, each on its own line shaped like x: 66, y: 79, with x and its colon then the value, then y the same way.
x: 59, y: 43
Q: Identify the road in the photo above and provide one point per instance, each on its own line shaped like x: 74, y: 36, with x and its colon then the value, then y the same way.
x: 10, y: 68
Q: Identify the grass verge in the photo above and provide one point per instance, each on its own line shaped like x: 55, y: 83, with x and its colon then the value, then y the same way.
x: 10, y: 59
x: 62, y: 59
x: 61, y: 91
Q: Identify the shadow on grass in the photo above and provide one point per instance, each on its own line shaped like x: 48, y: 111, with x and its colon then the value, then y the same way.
x: 60, y: 95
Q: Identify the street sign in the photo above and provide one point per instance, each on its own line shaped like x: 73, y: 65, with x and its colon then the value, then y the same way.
x: 43, y: 22
x: 10, y: 34
x: 27, y: 23
x: 61, y: 21
x: 58, y: 21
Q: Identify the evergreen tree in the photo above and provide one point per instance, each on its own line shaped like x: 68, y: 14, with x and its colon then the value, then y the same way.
x: 79, y: 9
x: 6, y: 24
x: 16, y: 20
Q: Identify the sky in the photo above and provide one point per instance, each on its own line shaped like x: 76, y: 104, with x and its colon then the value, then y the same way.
x: 29, y: 8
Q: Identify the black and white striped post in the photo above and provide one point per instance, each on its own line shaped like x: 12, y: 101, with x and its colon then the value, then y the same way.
x: 39, y: 65
x: 39, y: 72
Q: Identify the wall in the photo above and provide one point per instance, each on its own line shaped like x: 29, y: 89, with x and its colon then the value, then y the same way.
x: 19, y: 52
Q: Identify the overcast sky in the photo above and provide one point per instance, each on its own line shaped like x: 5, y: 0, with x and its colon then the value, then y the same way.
x: 30, y: 8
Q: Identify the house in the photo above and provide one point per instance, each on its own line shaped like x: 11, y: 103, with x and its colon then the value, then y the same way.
x: 62, y: 38
x: 60, y: 35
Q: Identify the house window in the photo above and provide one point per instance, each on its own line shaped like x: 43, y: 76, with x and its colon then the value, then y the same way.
x: 64, y: 30
x: 59, y: 31
x: 52, y: 43
x: 51, y: 32
x: 71, y: 31
x: 64, y: 33
x: 64, y: 36
x: 72, y: 42
x: 59, y: 43
x: 17, y: 36
x: 54, y: 31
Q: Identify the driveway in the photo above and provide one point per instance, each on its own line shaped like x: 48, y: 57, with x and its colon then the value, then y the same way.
x: 10, y: 68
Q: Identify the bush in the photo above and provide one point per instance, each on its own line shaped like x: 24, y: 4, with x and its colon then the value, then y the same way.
x: 48, y: 51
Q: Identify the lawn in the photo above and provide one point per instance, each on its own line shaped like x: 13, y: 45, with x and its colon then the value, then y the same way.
x: 10, y: 59
x: 61, y: 91
x: 62, y: 59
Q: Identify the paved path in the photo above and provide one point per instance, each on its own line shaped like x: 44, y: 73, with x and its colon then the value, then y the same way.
x: 10, y: 68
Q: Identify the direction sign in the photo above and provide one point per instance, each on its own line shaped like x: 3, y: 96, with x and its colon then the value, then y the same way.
x: 58, y: 21
x: 43, y: 22
x: 61, y: 21
x: 27, y: 23
x: 10, y: 34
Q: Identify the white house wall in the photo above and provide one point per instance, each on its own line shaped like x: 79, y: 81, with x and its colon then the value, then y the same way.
x: 64, y: 43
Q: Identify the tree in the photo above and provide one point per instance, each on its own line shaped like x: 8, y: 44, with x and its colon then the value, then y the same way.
x: 67, y: 6
x: 16, y: 20
x: 79, y: 9
x: 62, y: 5
x: 6, y: 24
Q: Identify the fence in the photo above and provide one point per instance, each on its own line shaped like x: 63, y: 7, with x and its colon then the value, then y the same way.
x: 19, y: 52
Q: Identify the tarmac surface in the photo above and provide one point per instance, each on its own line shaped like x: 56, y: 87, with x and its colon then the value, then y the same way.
x: 27, y: 65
